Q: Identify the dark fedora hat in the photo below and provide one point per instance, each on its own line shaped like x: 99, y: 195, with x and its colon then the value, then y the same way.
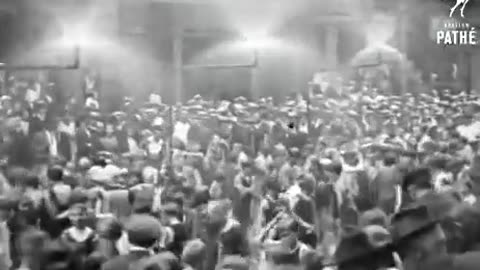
x: 410, y: 221
x: 361, y: 244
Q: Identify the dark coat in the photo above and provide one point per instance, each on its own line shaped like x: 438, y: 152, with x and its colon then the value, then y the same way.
x: 41, y: 146
x: 84, y: 144
x: 20, y: 151
x: 64, y: 146
x: 465, y: 261
x: 124, y: 262
x: 35, y: 125
x: 180, y: 237
x: 364, y: 200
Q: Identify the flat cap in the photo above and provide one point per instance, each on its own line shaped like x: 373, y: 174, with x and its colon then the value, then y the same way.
x: 142, y: 229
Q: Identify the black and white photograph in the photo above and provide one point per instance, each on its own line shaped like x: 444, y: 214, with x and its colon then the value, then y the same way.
x: 239, y: 134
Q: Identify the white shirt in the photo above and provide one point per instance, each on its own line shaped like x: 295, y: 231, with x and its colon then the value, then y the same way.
x: 97, y: 173
x: 33, y: 95
x: 122, y: 244
x: 150, y: 174
x: 422, y: 141
x: 470, y: 132
x: 292, y: 194
x: 80, y: 235
x: 181, y: 131
x: 154, y: 147
x: 68, y: 128
x: 242, y: 157
x: 52, y: 144
x: 92, y: 103
x: 133, y: 146
x: 261, y: 162
x: 134, y: 248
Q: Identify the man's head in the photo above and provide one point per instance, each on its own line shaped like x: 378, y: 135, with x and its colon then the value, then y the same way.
x: 55, y: 173
x: 418, y: 234
x: 237, y: 148
x: 143, y: 230
x: 42, y: 112
x: 194, y: 252
x: 78, y: 215
x: 390, y: 159
x: 247, y: 167
x: 109, y: 129
x: 307, y: 185
x: 367, y: 248
x: 417, y: 183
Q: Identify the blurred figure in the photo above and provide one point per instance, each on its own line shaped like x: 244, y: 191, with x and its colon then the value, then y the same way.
x: 31, y: 245
x: 193, y: 255
x: 57, y: 255
x: 143, y: 234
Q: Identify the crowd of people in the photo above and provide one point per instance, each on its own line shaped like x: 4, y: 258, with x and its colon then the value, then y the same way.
x: 344, y: 178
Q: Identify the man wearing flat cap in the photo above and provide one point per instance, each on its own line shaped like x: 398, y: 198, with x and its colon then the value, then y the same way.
x: 143, y: 232
x: 193, y: 254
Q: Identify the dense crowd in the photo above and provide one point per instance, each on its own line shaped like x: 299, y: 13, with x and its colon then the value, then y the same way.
x: 342, y: 176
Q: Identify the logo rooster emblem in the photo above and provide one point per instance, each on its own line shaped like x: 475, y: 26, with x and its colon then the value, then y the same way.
x: 463, y: 3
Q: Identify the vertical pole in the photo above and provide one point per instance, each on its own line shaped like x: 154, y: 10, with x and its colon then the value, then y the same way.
x: 6, y: 76
x: 253, y: 76
x: 331, y: 47
x: 402, y: 20
x: 253, y: 88
x: 178, y: 65
x: 468, y: 75
x: 170, y: 135
x: 309, y: 116
x: 316, y: 214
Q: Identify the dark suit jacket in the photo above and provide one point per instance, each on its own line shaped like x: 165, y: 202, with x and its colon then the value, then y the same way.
x: 64, y: 146
x: 20, y: 151
x: 41, y: 146
x: 84, y: 144
x: 123, y: 262
x: 35, y: 125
